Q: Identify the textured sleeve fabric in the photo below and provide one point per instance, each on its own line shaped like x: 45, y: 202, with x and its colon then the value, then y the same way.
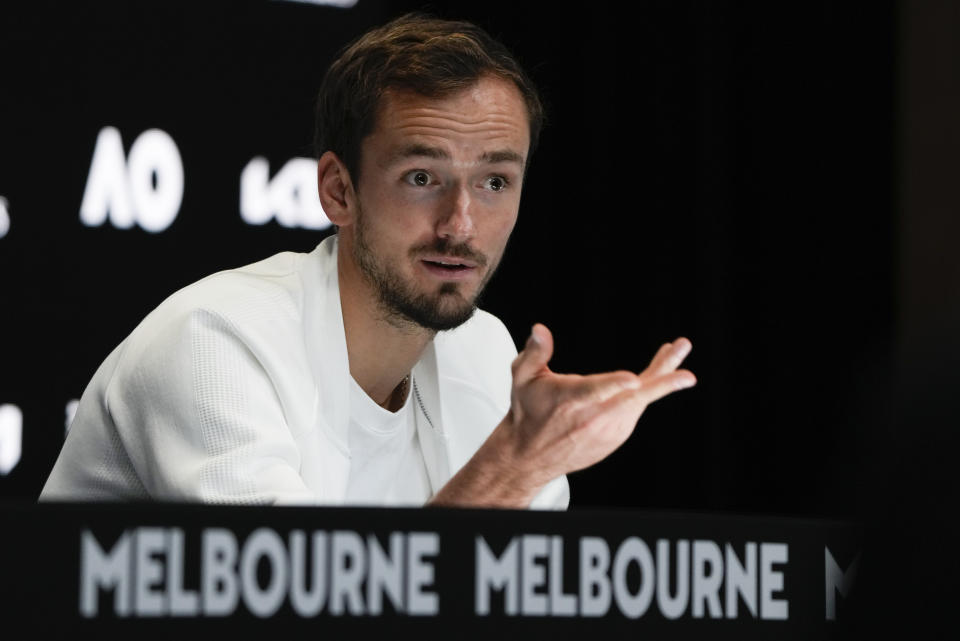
x: 200, y: 417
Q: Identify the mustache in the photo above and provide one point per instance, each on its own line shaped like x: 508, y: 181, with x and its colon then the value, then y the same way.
x: 448, y: 248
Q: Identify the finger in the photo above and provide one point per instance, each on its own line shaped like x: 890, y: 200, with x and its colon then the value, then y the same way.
x: 668, y: 358
x: 656, y: 388
x: 635, y: 401
x: 535, y: 355
x: 600, y: 387
x: 623, y: 410
x: 656, y: 363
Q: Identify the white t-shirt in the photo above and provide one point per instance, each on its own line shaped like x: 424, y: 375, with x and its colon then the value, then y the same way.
x: 386, y: 464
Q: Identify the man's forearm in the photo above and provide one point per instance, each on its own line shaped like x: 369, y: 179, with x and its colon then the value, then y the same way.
x: 493, y: 477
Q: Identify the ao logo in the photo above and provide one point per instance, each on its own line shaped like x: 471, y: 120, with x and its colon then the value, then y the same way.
x: 11, y: 437
x: 291, y: 197
x: 145, y: 188
x: 4, y: 217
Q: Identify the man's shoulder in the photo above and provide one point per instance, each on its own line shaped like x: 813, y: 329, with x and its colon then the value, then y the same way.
x: 252, y: 303
x: 245, y: 290
x: 269, y: 290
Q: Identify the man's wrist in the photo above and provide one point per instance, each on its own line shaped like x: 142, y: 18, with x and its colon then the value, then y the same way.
x: 496, y: 476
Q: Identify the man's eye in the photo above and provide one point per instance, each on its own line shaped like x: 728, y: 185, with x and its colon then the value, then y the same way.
x: 418, y: 178
x: 496, y: 183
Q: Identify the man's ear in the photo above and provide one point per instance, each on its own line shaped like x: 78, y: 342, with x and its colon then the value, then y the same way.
x: 335, y: 189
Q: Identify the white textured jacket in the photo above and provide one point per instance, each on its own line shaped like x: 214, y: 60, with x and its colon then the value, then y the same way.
x: 235, y: 390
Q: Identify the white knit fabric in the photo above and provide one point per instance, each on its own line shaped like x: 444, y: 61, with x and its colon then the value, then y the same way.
x: 235, y: 390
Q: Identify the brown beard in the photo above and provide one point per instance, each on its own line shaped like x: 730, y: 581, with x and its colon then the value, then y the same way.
x: 444, y: 309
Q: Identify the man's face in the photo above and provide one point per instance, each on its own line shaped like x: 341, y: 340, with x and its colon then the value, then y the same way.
x: 438, y: 196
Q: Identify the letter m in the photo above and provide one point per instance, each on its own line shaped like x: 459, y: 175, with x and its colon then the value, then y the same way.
x: 836, y: 580
x: 99, y: 569
x: 494, y: 573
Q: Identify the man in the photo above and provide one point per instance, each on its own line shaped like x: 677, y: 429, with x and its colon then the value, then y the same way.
x: 362, y: 373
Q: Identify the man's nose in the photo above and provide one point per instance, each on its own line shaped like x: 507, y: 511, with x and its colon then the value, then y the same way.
x: 456, y: 221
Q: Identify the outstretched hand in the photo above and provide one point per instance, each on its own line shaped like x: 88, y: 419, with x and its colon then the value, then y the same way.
x: 561, y: 423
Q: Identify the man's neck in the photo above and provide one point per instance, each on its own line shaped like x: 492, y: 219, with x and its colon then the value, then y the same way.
x: 381, y: 353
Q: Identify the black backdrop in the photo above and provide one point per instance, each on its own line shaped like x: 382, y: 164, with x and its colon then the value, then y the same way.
x: 772, y: 180
x: 720, y: 171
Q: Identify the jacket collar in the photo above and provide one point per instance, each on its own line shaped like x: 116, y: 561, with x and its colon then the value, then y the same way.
x: 433, y: 440
x: 326, y: 345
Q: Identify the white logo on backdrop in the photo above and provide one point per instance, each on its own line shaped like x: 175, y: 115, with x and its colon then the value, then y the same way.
x: 4, y: 217
x: 290, y: 197
x: 145, y: 188
x: 11, y: 437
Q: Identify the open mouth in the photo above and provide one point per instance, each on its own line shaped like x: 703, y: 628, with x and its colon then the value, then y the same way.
x: 453, y: 268
x: 450, y: 268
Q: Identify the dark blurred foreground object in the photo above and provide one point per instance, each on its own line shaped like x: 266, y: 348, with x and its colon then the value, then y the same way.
x: 100, y: 570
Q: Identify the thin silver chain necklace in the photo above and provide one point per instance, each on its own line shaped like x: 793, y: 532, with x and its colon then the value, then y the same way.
x: 416, y: 394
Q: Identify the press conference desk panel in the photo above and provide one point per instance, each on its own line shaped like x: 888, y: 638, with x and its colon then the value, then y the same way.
x: 171, y: 570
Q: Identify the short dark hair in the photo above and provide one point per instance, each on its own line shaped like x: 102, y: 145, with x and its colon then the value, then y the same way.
x: 417, y: 52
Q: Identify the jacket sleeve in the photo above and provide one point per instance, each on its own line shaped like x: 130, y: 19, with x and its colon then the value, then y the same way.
x: 554, y: 496
x: 200, y: 417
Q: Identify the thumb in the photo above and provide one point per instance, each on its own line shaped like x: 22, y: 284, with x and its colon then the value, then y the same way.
x: 535, y: 355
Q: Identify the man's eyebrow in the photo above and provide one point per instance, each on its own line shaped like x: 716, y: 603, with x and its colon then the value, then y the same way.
x: 425, y: 151
x: 416, y: 150
x: 502, y: 155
